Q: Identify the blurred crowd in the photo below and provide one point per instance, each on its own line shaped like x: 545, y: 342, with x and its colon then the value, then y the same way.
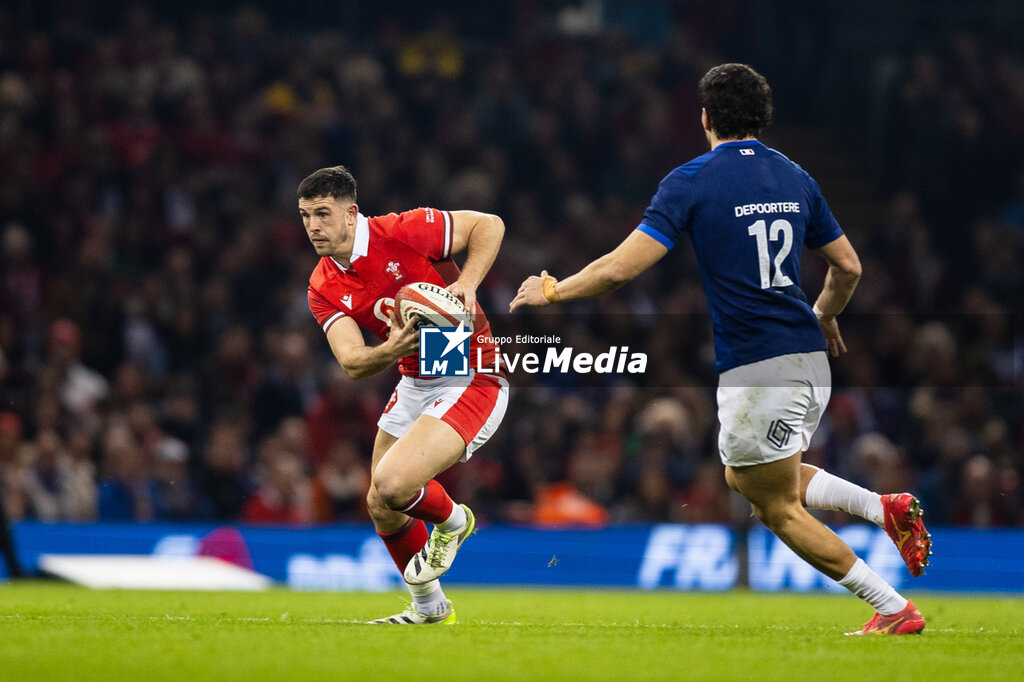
x: 158, y: 360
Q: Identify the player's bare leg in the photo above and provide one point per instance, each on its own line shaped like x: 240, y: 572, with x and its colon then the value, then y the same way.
x: 404, y: 481
x: 427, y: 448
x: 898, y: 513
x: 774, y: 491
x: 404, y: 537
x: 385, y: 520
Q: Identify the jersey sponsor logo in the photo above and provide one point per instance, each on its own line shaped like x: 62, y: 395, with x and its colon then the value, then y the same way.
x: 347, y: 301
x: 394, y: 268
x: 429, y: 214
x: 779, y: 433
x: 444, y: 351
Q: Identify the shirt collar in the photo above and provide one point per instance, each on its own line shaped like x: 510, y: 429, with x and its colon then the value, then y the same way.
x: 739, y: 143
x: 360, y: 242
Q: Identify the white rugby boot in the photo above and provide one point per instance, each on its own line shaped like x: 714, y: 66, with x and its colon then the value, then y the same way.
x: 438, y: 554
x: 411, y: 616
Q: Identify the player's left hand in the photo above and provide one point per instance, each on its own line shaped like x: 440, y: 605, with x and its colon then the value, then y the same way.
x: 531, y: 292
x: 833, y: 339
x: 465, y: 293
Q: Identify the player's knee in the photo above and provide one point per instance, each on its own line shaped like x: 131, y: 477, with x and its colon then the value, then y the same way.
x: 779, y: 517
x: 374, y: 505
x: 393, y: 494
x: 381, y: 515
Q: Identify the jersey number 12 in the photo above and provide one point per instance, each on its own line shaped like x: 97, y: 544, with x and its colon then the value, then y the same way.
x: 763, y: 234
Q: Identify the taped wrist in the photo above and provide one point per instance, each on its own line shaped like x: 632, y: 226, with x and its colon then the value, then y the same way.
x: 548, y: 288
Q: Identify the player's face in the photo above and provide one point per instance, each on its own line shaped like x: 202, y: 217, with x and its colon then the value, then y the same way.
x: 330, y: 225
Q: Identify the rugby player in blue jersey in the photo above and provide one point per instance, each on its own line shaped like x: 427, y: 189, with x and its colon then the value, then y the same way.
x: 749, y: 211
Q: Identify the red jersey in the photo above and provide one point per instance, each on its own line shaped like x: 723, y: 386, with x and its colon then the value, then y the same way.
x: 389, y: 252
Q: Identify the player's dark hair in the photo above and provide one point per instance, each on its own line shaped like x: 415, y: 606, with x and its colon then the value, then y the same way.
x: 335, y: 182
x: 738, y: 101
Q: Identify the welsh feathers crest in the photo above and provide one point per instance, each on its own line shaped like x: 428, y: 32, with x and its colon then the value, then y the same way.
x: 394, y: 268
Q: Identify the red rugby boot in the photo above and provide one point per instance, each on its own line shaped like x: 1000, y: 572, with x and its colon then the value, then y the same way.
x: 904, y: 525
x: 909, y: 621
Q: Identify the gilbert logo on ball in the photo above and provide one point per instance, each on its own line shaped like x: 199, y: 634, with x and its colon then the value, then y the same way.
x: 432, y: 304
x: 444, y: 351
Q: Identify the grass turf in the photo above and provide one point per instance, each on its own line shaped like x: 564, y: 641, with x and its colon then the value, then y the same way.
x: 55, y: 631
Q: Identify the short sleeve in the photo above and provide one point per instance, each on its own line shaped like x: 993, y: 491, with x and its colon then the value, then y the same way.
x: 427, y: 230
x: 664, y: 218
x: 325, y: 313
x: 822, y: 227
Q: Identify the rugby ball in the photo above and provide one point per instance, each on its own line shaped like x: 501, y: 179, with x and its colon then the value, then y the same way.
x: 434, y: 305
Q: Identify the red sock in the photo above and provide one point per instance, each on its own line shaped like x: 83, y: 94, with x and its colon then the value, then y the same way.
x: 403, y: 543
x: 431, y: 503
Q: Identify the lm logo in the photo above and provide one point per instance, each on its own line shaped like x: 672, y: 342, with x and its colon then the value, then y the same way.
x: 444, y: 351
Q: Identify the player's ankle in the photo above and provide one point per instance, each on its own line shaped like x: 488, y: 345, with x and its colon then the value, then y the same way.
x: 429, y: 599
x: 455, y: 522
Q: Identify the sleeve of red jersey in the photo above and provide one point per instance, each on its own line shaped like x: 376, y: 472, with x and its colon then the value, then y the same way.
x: 427, y: 230
x: 325, y: 313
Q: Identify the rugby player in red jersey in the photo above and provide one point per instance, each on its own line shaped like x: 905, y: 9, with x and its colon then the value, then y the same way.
x: 429, y: 424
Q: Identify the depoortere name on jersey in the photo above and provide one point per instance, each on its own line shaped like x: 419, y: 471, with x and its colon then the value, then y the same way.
x: 444, y: 351
x: 770, y: 207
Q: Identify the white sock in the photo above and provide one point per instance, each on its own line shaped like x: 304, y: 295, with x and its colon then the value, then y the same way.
x: 825, y: 491
x: 867, y: 585
x: 455, y: 522
x: 429, y: 598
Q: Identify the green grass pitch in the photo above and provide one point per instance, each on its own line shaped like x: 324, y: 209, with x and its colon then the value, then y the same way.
x: 54, y: 631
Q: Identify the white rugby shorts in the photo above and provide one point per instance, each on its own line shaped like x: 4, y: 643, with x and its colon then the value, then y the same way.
x: 474, y: 406
x: 769, y: 409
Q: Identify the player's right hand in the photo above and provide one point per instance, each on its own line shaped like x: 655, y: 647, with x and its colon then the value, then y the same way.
x: 404, y: 340
x: 833, y: 339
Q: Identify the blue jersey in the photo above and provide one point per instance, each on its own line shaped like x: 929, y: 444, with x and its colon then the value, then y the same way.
x: 749, y: 211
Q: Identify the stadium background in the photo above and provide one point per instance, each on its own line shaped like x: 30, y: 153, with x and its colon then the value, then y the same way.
x: 158, y: 361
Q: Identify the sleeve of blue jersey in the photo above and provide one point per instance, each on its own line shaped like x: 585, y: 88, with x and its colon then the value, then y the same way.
x: 822, y: 227
x: 826, y: 234
x: 663, y: 219
x: 659, y: 236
